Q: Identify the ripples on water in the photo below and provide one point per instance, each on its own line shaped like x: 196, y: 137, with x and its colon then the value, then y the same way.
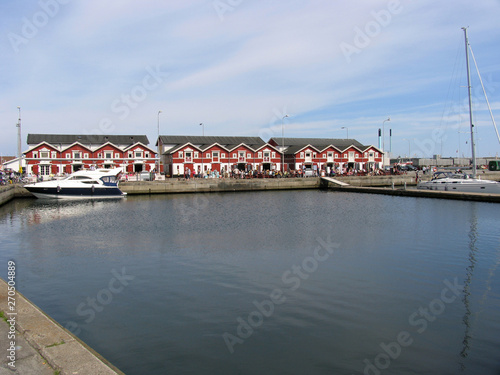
x: 198, y: 265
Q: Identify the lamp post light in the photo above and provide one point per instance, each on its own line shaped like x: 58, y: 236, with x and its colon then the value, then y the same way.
x: 18, y: 125
x: 347, y: 129
x: 158, y: 149
x: 383, y: 133
x: 283, y: 144
x: 203, y: 134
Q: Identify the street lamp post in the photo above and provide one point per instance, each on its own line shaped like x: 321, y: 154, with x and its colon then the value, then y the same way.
x: 19, y: 140
x: 283, y: 144
x: 383, y: 133
x: 347, y: 129
x: 203, y: 134
x: 158, y: 149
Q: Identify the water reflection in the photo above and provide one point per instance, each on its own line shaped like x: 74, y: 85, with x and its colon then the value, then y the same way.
x: 473, y: 237
x: 36, y: 211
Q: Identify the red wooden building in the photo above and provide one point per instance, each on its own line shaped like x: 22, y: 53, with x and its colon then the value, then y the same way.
x: 216, y: 153
x: 326, y: 154
x: 58, y: 154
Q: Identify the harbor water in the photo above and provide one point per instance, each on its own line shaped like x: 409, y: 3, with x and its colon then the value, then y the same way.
x: 288, y: 282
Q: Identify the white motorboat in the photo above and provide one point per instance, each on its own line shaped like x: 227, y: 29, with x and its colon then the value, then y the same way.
x: 83, y: 184
x: 447, y: 181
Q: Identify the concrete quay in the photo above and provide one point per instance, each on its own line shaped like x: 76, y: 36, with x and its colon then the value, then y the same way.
x: 42, y: 346
x: 413, y: 192
x: 12, y: 191
x: 217, y: 185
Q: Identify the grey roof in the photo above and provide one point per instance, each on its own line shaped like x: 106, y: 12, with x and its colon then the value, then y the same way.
x: 203, y: 142
x: 86, y: 139
x: 292, y: 145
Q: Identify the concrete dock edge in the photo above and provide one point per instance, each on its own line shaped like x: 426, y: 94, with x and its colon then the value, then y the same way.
x: 58, y: 347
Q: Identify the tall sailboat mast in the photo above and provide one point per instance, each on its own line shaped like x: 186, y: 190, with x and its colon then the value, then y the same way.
x: 473, y: 143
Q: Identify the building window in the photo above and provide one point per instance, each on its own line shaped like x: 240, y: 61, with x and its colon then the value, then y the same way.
x: 376, y: 154
x: 196, y: 154
x: 54, y: 155
x: 130, y: 155
x: 273, y: 154
x: 302, y: 155
x: 44, y: 154
x: 138, y: 154
x: 117, y: 155
x: 45, y: 170
x: 109, y: 155
x: 68, y: 156
x: 77, y: 155
x: 336, y: 156
x: 259, y: 155
x: 345, y: 155
x: 314, y: 155
x: 208, y: 155
x: 188, y: 157
x: 35, y: 154
x: 181, y: 154
x: 234, y: 155
x: 249, y: 156
x: 146, y: 155
x: 86, y: 156
x: 324, y: 156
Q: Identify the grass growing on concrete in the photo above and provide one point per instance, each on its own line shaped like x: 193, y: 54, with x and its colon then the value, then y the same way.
x: 56, y: 344
x: 2, y: 315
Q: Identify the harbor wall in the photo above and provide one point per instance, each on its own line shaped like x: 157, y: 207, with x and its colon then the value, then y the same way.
x: 9, y: 192
x: 217, y: 185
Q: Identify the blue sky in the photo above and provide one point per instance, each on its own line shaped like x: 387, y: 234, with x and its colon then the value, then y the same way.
x: 239, y: 66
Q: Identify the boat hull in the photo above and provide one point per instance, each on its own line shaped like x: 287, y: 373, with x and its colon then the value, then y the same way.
x: 75, y: 192
x: 465, y: 186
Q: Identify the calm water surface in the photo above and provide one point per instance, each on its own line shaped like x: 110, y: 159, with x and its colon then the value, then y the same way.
x: 296, y: 282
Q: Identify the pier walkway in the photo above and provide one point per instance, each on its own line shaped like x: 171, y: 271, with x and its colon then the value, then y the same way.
x: 334, y: 181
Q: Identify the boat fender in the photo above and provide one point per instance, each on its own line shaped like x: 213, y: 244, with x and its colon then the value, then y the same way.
x: 58, y: 188
x: 92, y: 189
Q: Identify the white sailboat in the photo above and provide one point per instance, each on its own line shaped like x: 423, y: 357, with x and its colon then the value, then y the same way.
x: 448, y: 181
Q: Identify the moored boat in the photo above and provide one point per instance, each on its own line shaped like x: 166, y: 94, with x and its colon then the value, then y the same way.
x: 447, y: 181
x: 83, y: 184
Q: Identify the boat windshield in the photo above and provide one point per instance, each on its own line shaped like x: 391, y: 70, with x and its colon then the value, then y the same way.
x: 109, y: 179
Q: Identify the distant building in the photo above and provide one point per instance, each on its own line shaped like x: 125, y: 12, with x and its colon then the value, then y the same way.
x: 221, y: 153
x: 326, y: 153
x: 11, y: 162
x: 56, y: 154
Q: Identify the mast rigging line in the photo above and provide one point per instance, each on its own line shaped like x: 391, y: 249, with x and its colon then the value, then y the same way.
x: 484, y: 91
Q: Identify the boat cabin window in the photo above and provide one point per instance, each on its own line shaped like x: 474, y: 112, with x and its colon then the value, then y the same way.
x: 108, y: 179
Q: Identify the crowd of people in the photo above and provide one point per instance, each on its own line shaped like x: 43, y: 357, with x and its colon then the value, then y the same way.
x: 271, y: 173
x: 8, y: 176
